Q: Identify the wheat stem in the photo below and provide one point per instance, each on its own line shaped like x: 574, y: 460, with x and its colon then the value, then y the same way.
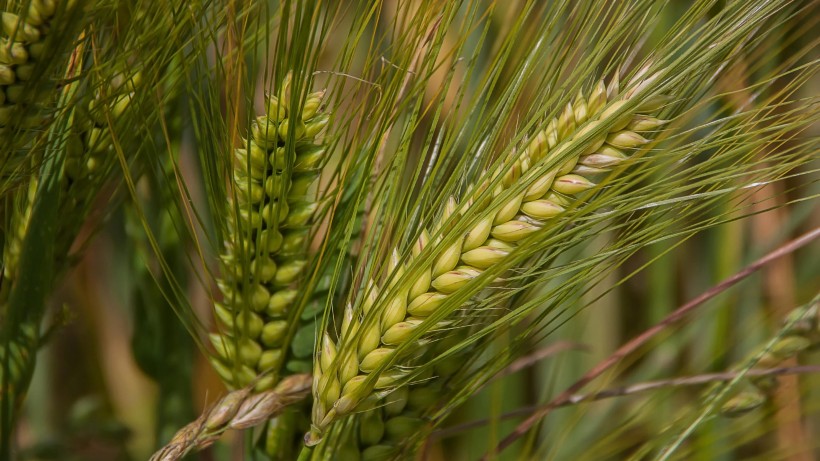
x: 239, y: 409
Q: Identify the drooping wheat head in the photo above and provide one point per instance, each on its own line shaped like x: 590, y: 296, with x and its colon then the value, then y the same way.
x: 606, y: 121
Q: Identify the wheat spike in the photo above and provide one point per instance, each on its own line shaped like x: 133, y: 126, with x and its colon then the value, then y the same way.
x: 340, y: 380
x: 275, y: 206
x: 21, y: 49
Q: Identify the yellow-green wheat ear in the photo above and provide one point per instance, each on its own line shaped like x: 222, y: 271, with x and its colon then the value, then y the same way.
x: 22, y: 47
x: 267, y: 240
x: 595, y: 126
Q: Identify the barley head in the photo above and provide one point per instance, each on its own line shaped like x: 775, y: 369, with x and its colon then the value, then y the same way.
x: 22, y: 47
x: 351, y: 369
x: 272, y: 177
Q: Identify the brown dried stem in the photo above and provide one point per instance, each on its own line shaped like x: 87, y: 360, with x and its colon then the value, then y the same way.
x: 644, y: 337
x: 239, y: 409
x: 638, y: 388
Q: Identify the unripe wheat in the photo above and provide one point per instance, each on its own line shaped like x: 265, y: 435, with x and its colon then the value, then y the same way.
x: 274, y: 206
x: 21, y: 48
x: 341, y: 381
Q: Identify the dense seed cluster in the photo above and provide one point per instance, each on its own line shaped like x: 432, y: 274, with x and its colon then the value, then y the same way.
x: 340, y: 378
x: 265, y: 248
x: 21, y: 48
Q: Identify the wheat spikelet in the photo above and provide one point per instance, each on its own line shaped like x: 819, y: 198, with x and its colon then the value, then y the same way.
x: 21, y: 216
x: 341, y: 373
x: 801, y: 333
x: 274, y: 207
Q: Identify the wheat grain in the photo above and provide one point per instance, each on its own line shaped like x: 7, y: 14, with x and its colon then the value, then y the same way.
x: 21, y: 48
x: 274, y: 206
x: 338, y: 389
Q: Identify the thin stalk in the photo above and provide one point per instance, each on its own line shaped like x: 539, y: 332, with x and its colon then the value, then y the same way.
x: 633, y: 389
x: 634, y: 344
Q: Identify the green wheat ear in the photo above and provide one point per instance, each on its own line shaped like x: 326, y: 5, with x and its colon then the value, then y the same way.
x: 605, y: 121
x: 21, y: 48
x: 800, y: 333
x: 266, y: 244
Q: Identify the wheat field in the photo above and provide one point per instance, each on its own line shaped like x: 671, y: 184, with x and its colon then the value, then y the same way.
x: 409, y: 230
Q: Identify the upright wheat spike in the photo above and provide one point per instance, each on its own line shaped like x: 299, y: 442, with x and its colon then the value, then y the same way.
x: 342, y: 369
x: 265, y: 248
x: 78, y: 188
x: 87, y: 149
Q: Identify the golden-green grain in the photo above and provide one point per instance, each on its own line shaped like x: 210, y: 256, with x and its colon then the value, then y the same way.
x: 496, y: 234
